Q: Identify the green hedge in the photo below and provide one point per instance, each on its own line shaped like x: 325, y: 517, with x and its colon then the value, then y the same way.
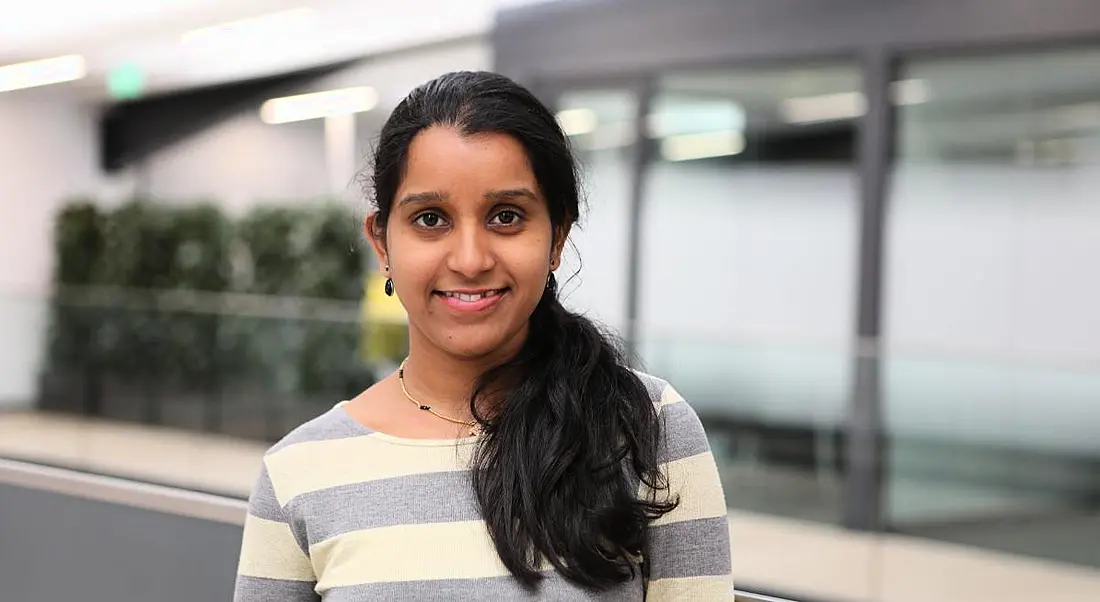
x: 187, y: 297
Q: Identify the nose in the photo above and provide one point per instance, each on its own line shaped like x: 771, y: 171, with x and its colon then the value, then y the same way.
x: 471, y: 254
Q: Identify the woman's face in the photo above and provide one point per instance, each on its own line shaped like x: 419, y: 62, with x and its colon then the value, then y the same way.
x: 469, y: 242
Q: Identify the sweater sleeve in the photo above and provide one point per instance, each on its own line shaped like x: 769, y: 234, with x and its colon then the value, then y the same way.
x: 689, y: 550
x: 274, y: 563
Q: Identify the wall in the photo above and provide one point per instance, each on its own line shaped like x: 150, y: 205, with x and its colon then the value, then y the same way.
x: 47, y: 156
x: 239, y: 162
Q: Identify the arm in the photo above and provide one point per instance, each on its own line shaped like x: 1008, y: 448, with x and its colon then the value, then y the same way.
x: 689, y: 550
x: 273, y: 564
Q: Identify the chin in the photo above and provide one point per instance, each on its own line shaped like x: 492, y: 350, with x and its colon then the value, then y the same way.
x: 474, y: 343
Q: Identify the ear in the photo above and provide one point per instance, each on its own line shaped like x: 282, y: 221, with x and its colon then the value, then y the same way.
x: 377, y: 237
x: 561, y: 234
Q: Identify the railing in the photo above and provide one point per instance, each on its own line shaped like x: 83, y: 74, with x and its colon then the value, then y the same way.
x: 169, y: 500
x: 743, y: 596
x: 163, y: 499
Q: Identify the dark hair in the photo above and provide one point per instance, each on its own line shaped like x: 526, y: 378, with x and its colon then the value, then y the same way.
x: 573, y: 431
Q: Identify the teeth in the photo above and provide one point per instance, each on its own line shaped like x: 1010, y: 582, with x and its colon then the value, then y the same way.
x: 470, y: 297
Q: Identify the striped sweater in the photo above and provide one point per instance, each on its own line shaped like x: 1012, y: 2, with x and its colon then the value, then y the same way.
x: 342, y: 513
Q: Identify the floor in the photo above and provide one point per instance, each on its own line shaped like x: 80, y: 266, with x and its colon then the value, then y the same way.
x: 783, y: 555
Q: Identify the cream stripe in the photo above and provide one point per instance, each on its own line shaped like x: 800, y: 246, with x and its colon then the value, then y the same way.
x: 459, y: 550
x: 668, y: 397
x: 315, y: 465
x: 269, y: 550
x: 695, y: 479
x: 694, y: 589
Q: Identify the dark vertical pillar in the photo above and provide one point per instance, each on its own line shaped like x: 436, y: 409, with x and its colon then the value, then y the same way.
x: 640, y: 159
x: 864, y: 450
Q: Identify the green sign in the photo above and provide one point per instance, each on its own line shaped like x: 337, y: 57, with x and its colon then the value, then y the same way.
x: 126, y: 81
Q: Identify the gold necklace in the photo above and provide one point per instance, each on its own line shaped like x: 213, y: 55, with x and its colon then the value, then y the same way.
x: 475, y: 428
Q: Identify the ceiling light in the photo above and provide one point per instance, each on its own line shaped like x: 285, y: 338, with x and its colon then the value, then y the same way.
x: 263, y: 24
x: 41, y: 73
x: 826, y: 107
x: 318, y: 105
x: 910, y: 92
x: 673, y: 116
x: 688, y: 147
x: 575, y: 122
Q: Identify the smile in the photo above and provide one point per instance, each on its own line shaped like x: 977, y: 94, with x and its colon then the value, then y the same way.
x: 472, y: 301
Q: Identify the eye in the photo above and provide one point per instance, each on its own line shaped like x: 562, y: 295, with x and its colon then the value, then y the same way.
x: 507, y: 217
x: 428, y: 219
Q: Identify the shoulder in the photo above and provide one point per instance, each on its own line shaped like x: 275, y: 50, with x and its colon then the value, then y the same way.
x: 681, y: 429
x: 332, y: 425
x: 661, y: 392
x: 290, y: 465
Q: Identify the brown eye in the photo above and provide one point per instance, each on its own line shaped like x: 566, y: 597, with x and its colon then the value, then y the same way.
x: 507, y: 218
x: 428, y: 219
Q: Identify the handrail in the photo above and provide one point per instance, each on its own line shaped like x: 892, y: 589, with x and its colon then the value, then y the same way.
x: 752, y: 597
x: 160, y: 498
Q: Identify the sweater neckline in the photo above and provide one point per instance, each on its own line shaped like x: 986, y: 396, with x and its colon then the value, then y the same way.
x: 396, y: 440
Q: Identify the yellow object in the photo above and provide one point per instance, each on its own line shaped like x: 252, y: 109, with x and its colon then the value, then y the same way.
x: 384, y: 324
x: 377, y: 307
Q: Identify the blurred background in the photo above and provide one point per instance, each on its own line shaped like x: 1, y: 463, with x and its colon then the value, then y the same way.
x: 856, y: 236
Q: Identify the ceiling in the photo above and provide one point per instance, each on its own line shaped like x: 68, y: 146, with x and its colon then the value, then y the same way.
x: 289, y: 35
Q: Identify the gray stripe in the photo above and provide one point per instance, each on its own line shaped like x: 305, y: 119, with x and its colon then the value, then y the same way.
x: 409, y: 500
x: 333, y: 424
x: 697, y: 548
x: 683, y: 433
x: 258, y: 589
x: 474, y: 590
x: 654, y: 385
x: 262, y: 503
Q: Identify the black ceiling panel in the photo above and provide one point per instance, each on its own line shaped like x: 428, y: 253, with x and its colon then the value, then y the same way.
x: 130, y: 131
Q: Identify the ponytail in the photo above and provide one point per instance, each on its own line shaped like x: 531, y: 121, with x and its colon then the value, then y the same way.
x: 572, y: 437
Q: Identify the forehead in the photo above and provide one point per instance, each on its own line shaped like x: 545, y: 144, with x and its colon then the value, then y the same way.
x: 441, y: 159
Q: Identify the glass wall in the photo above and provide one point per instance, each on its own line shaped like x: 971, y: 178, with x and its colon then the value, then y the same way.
x: 601, y: 127
x: 985, y: 387
x: 992, y: 384
x: 748, y: 270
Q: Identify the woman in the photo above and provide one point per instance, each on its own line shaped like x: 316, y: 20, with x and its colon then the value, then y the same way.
x: 514, y: 455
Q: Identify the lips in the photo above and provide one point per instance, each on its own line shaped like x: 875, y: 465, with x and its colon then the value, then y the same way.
x: 472, y: 301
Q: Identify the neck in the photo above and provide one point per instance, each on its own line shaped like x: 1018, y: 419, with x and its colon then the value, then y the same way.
x: 445, y: 381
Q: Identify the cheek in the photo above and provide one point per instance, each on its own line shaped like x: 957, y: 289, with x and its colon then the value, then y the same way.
x: 531, y: 267
x: 411, y: 266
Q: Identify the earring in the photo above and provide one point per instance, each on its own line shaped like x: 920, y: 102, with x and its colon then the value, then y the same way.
x: 389, y: 284
x: 551, y: 283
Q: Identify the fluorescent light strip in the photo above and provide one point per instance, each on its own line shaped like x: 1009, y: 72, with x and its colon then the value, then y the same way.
x: 688, y: 147
x: 250, y: 26
x: 42, y: 72
x: 911, y: 91
x: 849, y: 105
x: 826, y: 107
x: 318, y: 105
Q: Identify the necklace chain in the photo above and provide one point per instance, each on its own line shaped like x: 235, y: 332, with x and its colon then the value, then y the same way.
x: 472, y: 424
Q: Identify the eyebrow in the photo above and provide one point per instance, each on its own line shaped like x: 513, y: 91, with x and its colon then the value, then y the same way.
x: 423, y: 198
x: 511, y: 194
x: 435, y: 197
